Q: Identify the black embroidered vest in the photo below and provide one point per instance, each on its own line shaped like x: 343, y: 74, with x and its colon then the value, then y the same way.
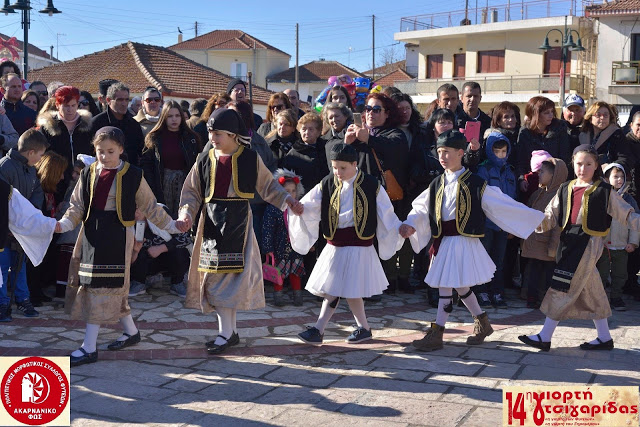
x: 5, y: 195
x: 595, y: 220
x: 470, y: 218
x: 127, y: 183
x: 244, y: 184
x: 365, y: 192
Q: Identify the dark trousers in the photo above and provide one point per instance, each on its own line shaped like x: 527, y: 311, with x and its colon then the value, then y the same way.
x: 495, y: 243
x: 399, y: 265
x: 615, y: 263
x: 176, y: 262
x: 537, y: 278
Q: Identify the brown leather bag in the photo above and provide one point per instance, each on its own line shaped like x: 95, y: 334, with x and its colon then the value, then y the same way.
x: 390, y: 183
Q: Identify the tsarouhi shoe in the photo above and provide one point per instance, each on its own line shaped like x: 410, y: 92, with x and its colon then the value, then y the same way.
x: 233, y: 340
x: 131, y: 340
x: 85, y: 358
x: 602, y: 345
x: 481, y: 329
x: 432, y: 339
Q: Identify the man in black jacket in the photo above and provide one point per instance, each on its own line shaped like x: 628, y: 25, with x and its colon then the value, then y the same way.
x: 573, y: 114
x: 117, y: 115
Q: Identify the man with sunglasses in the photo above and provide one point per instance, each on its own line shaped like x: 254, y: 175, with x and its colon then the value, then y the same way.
x: 149, y: 113
x: 41, y: 89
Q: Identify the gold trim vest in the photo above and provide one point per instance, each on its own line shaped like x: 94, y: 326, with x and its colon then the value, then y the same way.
x: 244, y: 184
x: 127, y: 183
x: 470, y: 218
x: 595, y: 203
x: 365, y: 217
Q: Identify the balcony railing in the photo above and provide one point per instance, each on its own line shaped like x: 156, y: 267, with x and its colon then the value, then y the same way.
x: 503, y: 84
x: 511, y: 11
x: 625, y: 72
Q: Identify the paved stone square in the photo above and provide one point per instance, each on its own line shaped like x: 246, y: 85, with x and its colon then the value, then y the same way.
x: 272, y: 379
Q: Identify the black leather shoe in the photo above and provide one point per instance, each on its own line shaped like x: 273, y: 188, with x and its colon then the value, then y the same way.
x: 131, y: 340
x: 234, y: 340
x: 602, y: 345
x: 544, y: 346
x: 405, y: 286
x: 85, y: 358
x: 221, y: 348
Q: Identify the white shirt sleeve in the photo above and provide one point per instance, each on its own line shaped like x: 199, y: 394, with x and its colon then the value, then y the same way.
x: 418, y: 218
x: 30, y: 227
x: 511, y: 216
x: 389, y: 239
x: 304, y: 229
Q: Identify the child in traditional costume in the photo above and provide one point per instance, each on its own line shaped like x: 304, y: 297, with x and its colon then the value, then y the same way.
x: 225, y: 274
x: 584, y: 209
x: 352, y: 210
x: 276, y: 244
x: 453, y: 210
x: 105, y: 200
x: 31, y: 230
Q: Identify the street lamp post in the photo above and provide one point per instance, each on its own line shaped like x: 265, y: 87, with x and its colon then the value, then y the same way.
x: 25, y: 7
x: 567, y: 44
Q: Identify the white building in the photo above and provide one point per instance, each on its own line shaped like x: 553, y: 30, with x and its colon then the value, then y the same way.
x: 38, y: 58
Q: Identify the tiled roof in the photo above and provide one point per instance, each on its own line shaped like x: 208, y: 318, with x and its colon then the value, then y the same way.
x: 32, y: 49
x: 618, y: 7
x: 386, y: 69
x: 394, y: 76
x: 224, y: 39
x: 139, y: 66
x: 314, y: 71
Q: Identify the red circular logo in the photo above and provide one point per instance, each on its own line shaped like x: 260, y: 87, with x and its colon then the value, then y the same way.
x: 35, y: 391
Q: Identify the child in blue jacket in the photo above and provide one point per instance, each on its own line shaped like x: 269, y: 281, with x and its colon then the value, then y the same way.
x: 498, y: 173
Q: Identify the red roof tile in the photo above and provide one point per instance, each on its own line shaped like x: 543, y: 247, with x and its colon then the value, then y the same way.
x: 618, y: 7
x: 394, y: 76
x: 32, y: 49
x: 314, y: 71
x: 224, y: 39
x: 139, y: 66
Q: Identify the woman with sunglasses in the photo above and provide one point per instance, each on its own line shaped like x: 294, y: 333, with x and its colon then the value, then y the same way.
x: 68, y: 130
x: 277, y: 103
x: 87, y: 103
x: 149, y: 113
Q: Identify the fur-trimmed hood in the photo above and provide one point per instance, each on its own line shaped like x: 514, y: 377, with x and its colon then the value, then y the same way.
x: 50, y: 122
x: 286, y: 173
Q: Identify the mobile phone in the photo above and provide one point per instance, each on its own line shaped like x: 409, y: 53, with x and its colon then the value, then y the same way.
x: 472, y: 130
x: 357, y: 119
x: 140, y: 226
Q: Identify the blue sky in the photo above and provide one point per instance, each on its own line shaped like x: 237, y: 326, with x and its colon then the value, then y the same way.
x: 327, y: 29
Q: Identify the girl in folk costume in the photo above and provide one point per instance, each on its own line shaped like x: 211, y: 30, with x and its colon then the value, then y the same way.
x: 105, y: 200
x: 226, y: 269
x: 275, y: 240
x: 351, y: 210
x: 584, y: 209
x: 453, y: 210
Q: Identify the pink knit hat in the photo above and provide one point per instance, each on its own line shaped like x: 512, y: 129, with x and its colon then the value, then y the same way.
x: 537, y: 157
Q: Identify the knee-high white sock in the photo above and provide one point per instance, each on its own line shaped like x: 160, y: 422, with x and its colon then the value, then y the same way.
x: 325, y: 314
x: 471, y: 302
x: 225, y: 324
x: 442, y: 316
x: 602, y: 327
x: 547, y: 330
x: 90, y: 340
x: 356, y: 305
x: 128, y: 327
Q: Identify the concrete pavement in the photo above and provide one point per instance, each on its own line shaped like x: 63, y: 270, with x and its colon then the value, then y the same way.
x: 271, y: 379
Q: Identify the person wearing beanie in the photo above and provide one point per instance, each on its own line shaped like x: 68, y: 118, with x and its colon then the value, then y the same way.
x: 225, y: 274
x: 531, y: 178
x: 454, y: 210
x: 237, y: 90
x: 352, y: 211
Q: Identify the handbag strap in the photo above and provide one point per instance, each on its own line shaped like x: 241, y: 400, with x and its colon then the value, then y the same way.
x: 273, y: 260
x: 375, y: 156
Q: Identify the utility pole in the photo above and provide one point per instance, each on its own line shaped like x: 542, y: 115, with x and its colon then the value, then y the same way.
x: 297, y: 47
x: 373, y: 51
x: 196, y: 28
x: 58, y: 43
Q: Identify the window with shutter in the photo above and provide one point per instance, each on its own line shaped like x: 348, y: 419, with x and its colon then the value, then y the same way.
x: 491, y: 61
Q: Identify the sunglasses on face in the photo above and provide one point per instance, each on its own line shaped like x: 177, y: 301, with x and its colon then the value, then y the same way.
x: 149, y: 100
x: 84, y: 103
x: 375, y: 109
x: 278, y: 107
